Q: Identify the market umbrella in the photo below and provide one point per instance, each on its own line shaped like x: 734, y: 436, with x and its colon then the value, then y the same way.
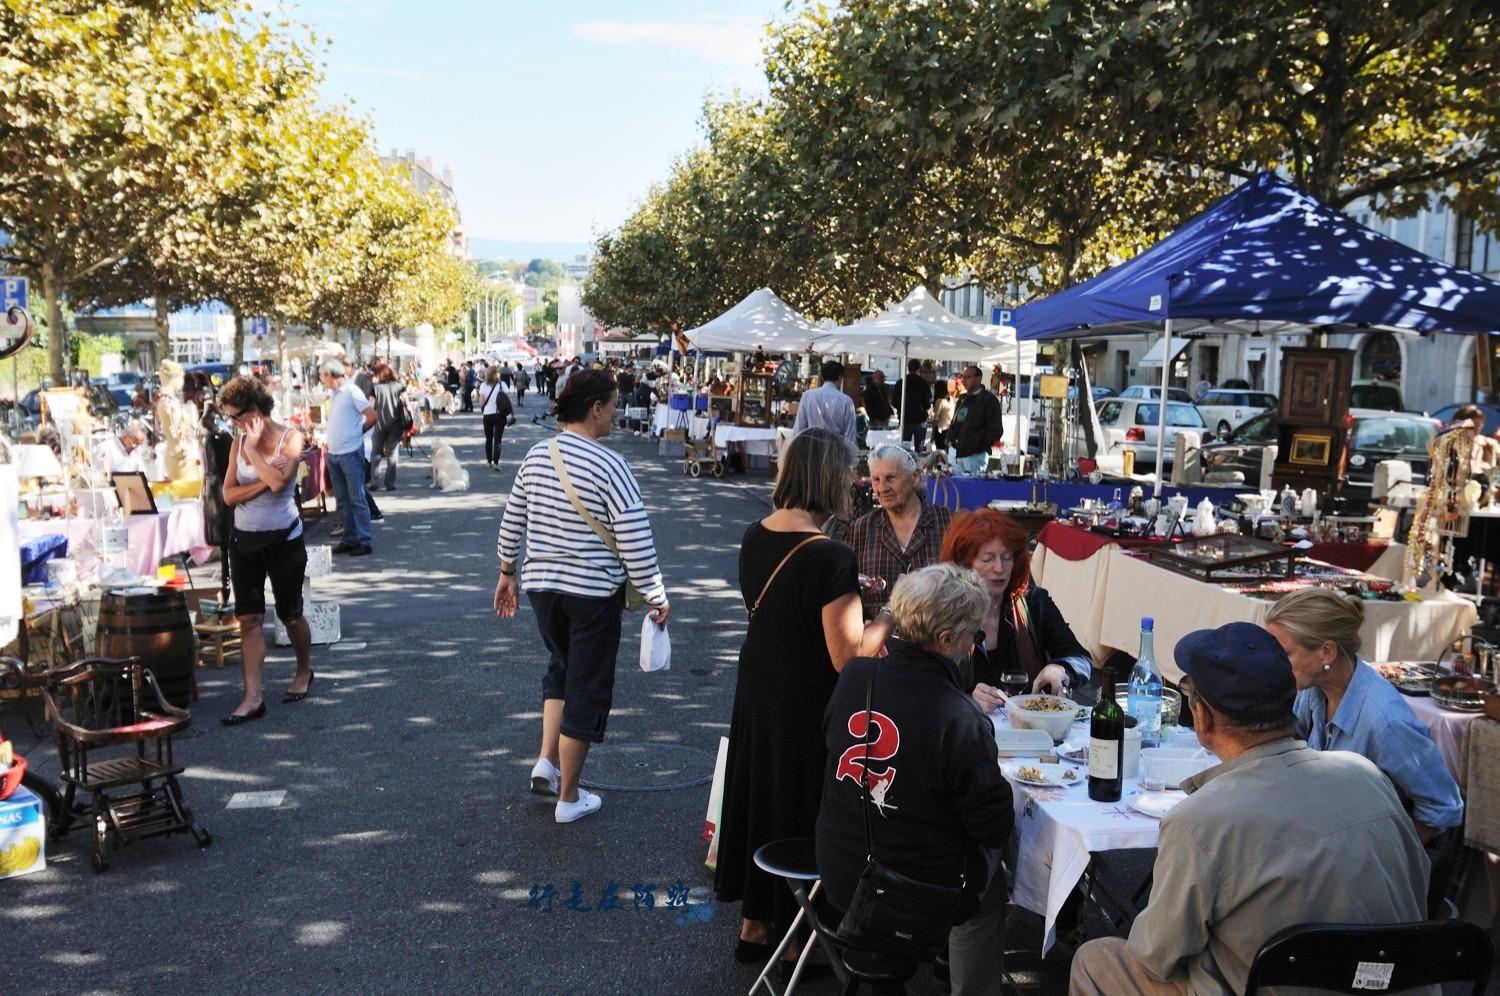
x: 918, y: 326
x: 761, y: 319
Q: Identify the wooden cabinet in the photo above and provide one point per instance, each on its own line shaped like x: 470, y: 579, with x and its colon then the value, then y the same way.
x: 755, y: 400
x: 1312, y: 438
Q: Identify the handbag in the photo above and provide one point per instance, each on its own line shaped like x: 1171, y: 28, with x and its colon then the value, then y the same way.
x: 891, y: 910
x: 767, y: 586
x: 633, y: 598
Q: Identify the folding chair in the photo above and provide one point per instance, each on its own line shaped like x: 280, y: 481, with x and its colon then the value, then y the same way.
x: 1360, y: 958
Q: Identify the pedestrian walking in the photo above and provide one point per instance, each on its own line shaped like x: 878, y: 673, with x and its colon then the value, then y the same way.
x: 523, y: 381
x: 579, y: 510
x: 497, y: 411
x: 802, y: 592
x: 350, y: 413
x: 392, y: 419
x: 471, y: 381
x: 827, y: 406
x: 260, y: 484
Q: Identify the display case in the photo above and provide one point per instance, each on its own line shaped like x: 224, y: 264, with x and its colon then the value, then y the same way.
x: 755, y: 400
x: 1226, y: 558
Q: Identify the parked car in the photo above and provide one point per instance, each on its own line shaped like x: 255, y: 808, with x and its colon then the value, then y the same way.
x: 1152, y: 391
x: 1227, y: 410
x: 1374, y: 436
x: 1491, y: 415
x: 1378, y: 394
x: 119, y: 392
x: 1132, y: 423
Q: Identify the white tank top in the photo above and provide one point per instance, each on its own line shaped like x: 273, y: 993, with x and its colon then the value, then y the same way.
x: 269, y: 509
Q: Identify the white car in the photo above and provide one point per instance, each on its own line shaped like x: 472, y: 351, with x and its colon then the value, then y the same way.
x: 1226, y: 409
x: 1131, y: 423
x: 1153, y: 391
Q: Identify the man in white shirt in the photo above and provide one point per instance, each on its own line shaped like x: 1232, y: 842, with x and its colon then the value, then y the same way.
x: 126, y: 454
x: 827, y: 406
x: 350, y: 413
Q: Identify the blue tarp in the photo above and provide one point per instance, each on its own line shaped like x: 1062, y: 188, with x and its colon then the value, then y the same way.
x: 1270, y: 257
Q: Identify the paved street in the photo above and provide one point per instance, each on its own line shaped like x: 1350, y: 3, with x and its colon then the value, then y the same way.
x: 407, y: 847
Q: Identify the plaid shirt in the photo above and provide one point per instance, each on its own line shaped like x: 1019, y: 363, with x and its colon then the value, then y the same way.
x: 880, y: 554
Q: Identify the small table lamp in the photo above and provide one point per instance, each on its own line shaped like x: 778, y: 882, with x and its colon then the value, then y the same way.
x: 36, y: 463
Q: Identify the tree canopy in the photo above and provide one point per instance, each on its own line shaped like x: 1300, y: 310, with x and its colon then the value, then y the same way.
x: 1031, y: 144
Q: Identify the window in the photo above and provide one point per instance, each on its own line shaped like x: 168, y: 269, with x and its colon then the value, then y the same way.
x: 1260, y: 429
x: 1109, y: 412
x: 1264, y: 401
x: 1392, y: 435
x: 1177, y: 415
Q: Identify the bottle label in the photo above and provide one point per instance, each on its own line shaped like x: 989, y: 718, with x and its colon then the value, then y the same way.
x: 1104, y: 758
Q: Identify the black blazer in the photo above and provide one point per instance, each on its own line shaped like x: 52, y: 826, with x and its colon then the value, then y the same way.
x: 1049, y: 632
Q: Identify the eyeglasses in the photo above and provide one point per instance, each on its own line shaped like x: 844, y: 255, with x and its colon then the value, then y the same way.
x: 232, y: 416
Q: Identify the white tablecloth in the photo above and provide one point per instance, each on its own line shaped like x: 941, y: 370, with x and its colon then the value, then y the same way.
x: 1392, y: 631
x: 762, y: 441
x: 1056, y: 832
x: 1079, y: 589
x: 1446, y: 726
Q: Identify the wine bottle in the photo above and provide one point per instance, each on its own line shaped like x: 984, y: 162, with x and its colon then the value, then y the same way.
x: 1107, y: 744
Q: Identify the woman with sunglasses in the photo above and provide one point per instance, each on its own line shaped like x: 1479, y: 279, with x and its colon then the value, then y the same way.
x: 260, y: 484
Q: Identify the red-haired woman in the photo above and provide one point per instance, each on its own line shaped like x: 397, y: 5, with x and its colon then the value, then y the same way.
x: 1023, y: 631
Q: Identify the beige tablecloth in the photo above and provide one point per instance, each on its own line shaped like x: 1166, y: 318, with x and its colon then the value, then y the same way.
x: 1180, y: 604
x: 1079, y: 588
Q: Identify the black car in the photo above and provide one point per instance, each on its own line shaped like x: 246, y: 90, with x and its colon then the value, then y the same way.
x: 1374, y: 436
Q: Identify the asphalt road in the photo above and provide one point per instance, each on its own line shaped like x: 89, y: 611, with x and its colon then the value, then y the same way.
x: 407, y: 851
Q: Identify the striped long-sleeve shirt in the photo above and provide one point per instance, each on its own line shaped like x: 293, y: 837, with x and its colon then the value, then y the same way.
x: 562, y: 553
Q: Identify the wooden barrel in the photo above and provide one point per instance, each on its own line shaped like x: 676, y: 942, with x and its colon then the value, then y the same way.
x: 155, y: 626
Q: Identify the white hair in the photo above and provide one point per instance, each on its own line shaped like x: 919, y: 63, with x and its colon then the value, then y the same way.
x: 938, y: 598
x: 900, y: 454
x: 334, y: 368
x: 135, y: 427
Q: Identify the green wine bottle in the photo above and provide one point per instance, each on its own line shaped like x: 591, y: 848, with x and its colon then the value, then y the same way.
x: 1107, y: 744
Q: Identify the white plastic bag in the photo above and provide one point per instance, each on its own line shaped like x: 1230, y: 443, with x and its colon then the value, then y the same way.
x: 656, y: 646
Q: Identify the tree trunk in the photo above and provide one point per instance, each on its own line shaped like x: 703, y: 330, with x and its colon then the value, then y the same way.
x: 163, y: 330
x: 57, y: 334
x: 239, y: 338
x: 281, y: 347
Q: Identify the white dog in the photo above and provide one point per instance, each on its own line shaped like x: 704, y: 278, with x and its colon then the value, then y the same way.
x: 447, y: 473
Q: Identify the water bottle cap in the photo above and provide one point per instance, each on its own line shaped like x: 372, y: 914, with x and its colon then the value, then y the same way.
x: 1147, y: 624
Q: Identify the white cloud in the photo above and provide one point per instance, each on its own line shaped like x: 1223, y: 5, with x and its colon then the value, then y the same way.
x: 385, y: 72
x: 729, y: 40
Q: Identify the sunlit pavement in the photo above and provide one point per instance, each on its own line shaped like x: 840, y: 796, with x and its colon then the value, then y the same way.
x: 407, y: 854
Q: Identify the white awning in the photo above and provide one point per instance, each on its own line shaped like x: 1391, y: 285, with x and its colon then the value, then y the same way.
x: 1153, y: 355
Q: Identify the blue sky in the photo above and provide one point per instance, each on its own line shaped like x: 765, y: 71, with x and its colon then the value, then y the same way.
x: 556, y: 117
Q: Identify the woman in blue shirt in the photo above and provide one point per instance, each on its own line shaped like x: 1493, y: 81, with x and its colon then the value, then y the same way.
x: 1344, y: 704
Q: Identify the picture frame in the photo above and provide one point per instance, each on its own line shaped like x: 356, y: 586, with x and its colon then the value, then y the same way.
x: 134, y: 493
x: 1310, y: 449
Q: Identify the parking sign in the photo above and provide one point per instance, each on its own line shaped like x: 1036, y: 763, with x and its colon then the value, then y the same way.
x: 13, y: 293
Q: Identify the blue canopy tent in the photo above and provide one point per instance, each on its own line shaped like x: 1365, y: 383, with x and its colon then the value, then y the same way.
x: 1268, y: 258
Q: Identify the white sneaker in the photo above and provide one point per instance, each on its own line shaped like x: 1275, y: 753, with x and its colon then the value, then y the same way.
x: 587, y: 803
x: 545, y: 777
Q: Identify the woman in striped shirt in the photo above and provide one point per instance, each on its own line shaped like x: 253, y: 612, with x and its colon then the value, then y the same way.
x: 579, y: 508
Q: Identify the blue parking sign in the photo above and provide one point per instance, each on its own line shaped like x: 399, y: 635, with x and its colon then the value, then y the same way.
x: 13, y: 293
x: 999, y: 316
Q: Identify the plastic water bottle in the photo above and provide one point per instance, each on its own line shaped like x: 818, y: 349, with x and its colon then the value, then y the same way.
x: 1144, y: 694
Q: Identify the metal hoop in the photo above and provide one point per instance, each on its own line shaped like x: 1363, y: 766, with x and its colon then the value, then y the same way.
x: 17, y: 316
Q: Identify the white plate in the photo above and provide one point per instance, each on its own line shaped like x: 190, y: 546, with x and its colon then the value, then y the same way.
x: 1155, y: 804
x: 1052, y: 774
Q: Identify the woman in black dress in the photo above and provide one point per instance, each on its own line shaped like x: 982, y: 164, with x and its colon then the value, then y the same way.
x: 805, y: 624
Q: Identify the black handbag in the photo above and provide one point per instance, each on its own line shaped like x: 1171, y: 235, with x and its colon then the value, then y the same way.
x: 891, y: 910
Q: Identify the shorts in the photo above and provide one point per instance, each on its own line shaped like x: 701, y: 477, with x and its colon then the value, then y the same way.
x: 583, y: 637
x: 253, y: 558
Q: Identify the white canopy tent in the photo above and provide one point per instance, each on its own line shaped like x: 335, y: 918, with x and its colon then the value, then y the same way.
x: 918, y: 326
x: 389, y: 346
x: 760, y: 320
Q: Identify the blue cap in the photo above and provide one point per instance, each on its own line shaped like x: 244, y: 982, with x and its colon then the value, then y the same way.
x: 1239, y: 669
x: 1147, y: 623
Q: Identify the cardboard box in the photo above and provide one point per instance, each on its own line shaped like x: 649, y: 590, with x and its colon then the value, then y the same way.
x: 23, y: 839
x: 672, y: 443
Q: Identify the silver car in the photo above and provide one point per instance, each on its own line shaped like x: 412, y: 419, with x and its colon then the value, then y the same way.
x: 1132, y: 423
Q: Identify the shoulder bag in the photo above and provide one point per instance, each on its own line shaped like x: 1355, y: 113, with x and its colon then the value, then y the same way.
x: 633, y: 598
x: 767, y: 586
x: 891, y: 910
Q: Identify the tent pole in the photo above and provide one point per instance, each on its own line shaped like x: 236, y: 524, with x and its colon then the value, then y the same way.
x: 901, y: 374
x: 1161, y: 421
x: 1015, y: 400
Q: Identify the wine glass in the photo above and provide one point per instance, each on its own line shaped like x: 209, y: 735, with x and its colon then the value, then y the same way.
x: 1015, y: 683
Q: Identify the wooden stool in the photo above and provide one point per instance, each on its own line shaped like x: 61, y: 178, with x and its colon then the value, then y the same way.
x: 216, y: 642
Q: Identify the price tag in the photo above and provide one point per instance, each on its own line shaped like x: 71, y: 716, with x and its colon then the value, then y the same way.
x: 1373, y: 975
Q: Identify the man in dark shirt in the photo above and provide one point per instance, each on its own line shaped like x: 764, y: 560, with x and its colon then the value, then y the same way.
x: 878, y: 401
x: 978, y: 424
x: 913, y: 400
